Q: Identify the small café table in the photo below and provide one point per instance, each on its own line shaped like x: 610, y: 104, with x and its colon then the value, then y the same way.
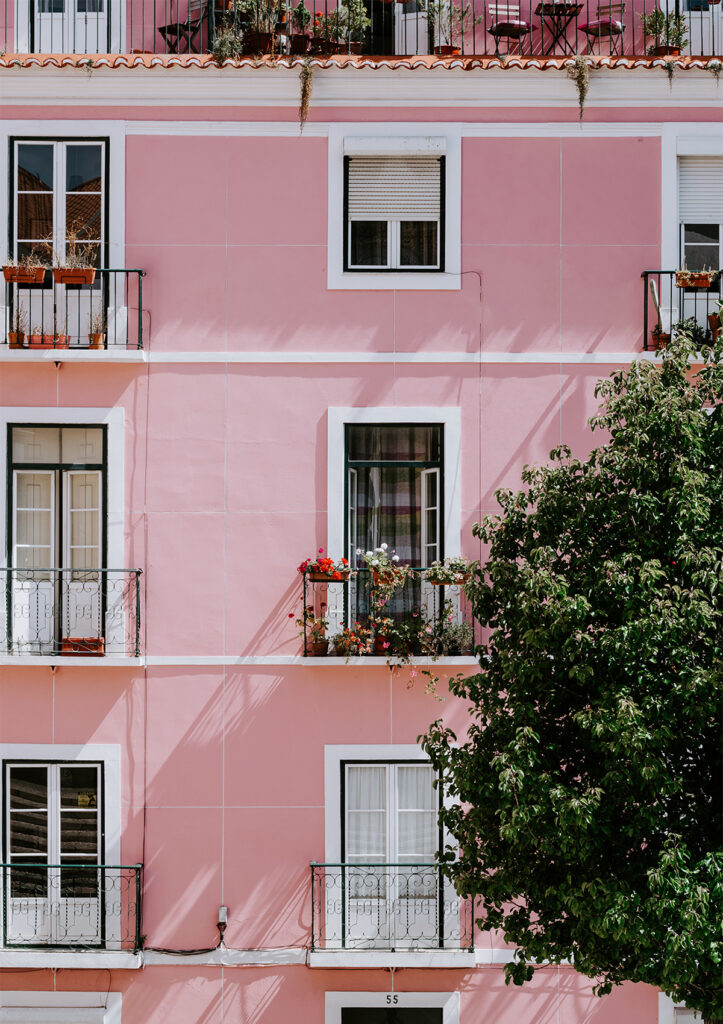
x: 556, y: 15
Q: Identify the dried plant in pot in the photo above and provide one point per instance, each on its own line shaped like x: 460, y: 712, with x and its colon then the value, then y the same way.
x: 29, y: 270
x: 96, y: 329
x: 19, y: 321
x: 75, y: 266
x: 451, y: 23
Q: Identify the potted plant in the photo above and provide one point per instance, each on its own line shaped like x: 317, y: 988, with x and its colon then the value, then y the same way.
x: 97, y: 326
x: 29, y: 270
x: 695, y: 278
x: 714, y: 322
x: 61, y: 338
x: 16, y: 338
x: 260, y: 18
x: 352, y: 642
x: 451, y: 23
x: 312, y: 630
x: 451, y: 572
x: 384, y: 566
x: 457, y: 639
x: 667, y: 29
x: 228, y: 44
x: 325, y: 570
x: 659, y: 337
x: 35, y: 338
x: 300, y: 20
x: 83, y: 646
x: 75, y: 266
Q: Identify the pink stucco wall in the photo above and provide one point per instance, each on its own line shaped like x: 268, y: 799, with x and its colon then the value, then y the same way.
x: 225, y: 492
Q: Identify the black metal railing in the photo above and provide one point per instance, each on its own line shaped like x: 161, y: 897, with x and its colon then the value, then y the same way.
x: 72, y: 612
x: 232, y: 28
x: 670, y: 304
x: 105, y: 315
x: 359, y: 615
x: 387, y: 906
x: 71, y: 905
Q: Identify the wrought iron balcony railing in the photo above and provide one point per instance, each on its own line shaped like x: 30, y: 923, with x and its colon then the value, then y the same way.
x: 420, y: 619
x: 669, y: 303
x: 555, y: 28
x: 73, y: 905
x: 387, y: 906
x: 105, y: 315
x: 71, y: 612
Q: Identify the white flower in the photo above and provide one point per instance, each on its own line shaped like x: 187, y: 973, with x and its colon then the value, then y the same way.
x: 383, y: 547
x: 359, y: 551
x: 369, y: 554
x: 375, y: 561
x: 395, y: 558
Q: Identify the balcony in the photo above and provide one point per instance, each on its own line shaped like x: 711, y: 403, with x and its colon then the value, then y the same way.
x: 669, y: 303
x: 373, y: 910
x: 71, y: 906
x: 57, y: 318
x: 70, y: 613
x: 485, y: 28
x: 419, y: 620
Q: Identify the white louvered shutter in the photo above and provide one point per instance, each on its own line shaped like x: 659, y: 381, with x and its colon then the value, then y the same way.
x: 394, y: 188
x: 700, y: 189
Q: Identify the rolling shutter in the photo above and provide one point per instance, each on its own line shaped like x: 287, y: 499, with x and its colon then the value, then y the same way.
x: 394, y: 188
x: 700, y: 189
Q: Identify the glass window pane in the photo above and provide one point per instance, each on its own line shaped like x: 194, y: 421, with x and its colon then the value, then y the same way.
x: 366, y: 835
x: 36, y: 444
x: 392, y: 1015
x: 82, y: 214
x: 90, y: 7
x: 83, y: 167
x: 417, y: 835
x: 415, y: 788
x: 35, y: 167
x: 33, y: 558
x: 705, y: 233
x: 33, y: 490
x: 702, y: 257
x: 77, y: 883
x: 394, y: 443
x: 368, y: 243
x: 33, y: 528
x: 28, y: 787
x: 29, y: 883
x: 366, y: 788
x: 79, y: 833
x: 82, y: 445
x: 79, y: 786
x: 35, y: 216
x: 418, y: 243
x: 389, y: 511
x: 51, y: 6
x: 29, y: 832
x: 84, y: 492
x: 84, y: 529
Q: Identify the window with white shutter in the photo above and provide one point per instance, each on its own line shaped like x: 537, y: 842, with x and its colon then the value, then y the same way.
x: 700, y: 206
x: 394, y: 213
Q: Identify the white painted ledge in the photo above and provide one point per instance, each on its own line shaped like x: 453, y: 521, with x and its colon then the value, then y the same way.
x: 292, y: 659
x: 93, y: 960
x: 225, y: 957
x: 66, y: 355
x: 32, y: 661
x: 440, y: 958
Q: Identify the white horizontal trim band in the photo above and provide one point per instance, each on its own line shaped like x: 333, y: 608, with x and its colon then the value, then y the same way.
x: 411, y: 145
x: 398, y: 358
x: 65, y: 959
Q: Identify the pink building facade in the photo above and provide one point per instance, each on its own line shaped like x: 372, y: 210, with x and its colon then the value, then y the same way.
x: 329, y: 339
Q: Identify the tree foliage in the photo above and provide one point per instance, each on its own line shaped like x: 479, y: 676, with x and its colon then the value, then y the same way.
x: 587, y: 810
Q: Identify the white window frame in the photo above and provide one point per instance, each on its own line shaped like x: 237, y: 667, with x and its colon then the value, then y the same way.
x: 449, y: 416
x: 18, y: 1007
x: 670, y: 1012
x: 72, y: 131
x: 448, y: 1002
x: 677, y: 140
x: 115, y: 421
x: 107, y: 754
x: 396, y: 140
x: 59, y: 192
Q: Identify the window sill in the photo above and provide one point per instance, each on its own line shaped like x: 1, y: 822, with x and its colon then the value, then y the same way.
x: 394, y: 281
x: 424, y: 958
x: 42, y: 959
x: 64, y: 355
x: 33, y: 660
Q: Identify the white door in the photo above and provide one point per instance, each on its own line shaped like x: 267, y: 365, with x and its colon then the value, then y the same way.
x: 411, y: 31
x: 390, y: 822
x: 81, y: 611
x: 69, y: 26
x: 51, y: 889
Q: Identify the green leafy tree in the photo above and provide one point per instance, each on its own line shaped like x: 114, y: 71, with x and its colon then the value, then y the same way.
x: 587, y: 817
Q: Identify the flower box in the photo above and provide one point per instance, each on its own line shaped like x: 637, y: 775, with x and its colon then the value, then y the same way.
x: 16, y: 339
x: 695, y: 278
x: 83, y: 646
x: 74, y: 275
x: 24, y: 275
x: 328, y: 577
x: 458, y: 581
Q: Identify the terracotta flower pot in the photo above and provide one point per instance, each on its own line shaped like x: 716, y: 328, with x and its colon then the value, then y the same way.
x: 96, y: 340
x: 317, y: 648
x: 16, y: 339
x: 35, y: 340
x: 714, y: 324
x: 61, y: 340
x: 666, y: 51
x: 379, y: 649
x: 299, y: 44
x: 258, y: 42
x: 658, y: 340
x: 447, y: 51
x: 74, y: 275
x: 82, y: 646
x: 327, y: 577
x: 24, y: 275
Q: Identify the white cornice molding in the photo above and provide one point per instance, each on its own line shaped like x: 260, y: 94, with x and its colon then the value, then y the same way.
x: 377, y: 87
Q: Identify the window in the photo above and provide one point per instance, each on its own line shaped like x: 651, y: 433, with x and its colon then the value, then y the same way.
x: 53, y: 837
x: 394, y: 213
x: 59, y: 189
x: 700, y: 202
x: 56, y: 534
x: 392, y: 1008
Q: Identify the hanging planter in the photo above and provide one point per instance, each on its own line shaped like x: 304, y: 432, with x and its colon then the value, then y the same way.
x: 695, y: 278
x: 24, y: 275
x: 74, y: 275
